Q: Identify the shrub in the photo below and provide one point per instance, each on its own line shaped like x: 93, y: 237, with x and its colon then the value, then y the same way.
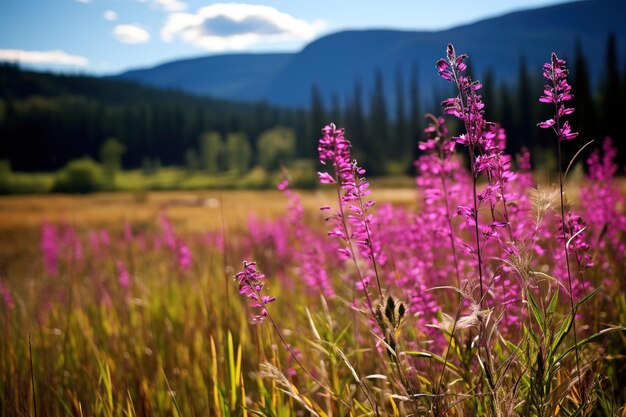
x: 80, y: 176
x: 275, y: 147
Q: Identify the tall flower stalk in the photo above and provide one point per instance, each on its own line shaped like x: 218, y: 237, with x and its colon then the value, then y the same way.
x: 468, y: 107
x: 352, y: 220
x: 556, y: 92
x: 251, y: 282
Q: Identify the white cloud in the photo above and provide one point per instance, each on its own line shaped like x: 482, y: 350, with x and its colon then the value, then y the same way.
x: 166, y: 5
x: 169, y: 5
x: 131, y: 34
x: 55, y: 57
x: 236, y: 26
x: 84, y: 1
x: 110, y: 15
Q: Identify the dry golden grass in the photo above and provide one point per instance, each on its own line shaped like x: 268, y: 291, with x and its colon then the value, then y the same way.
x: 197, y: 211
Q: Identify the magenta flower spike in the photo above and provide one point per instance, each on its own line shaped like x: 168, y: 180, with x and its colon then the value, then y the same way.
x: 353, y: 223
x: 251, y: 283
x: 50, y: 247
x: 556, y: 92
x: 123, y: 276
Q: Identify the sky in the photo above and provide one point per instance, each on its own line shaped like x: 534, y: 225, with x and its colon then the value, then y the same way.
x: 111, y: 36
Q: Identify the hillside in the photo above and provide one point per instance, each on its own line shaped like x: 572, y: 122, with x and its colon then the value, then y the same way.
x: 335, y: 62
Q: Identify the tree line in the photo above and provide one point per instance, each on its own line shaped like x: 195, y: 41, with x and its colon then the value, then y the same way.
x: 47, y: 120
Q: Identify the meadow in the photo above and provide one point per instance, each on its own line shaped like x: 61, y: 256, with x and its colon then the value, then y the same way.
x: 483, y: 290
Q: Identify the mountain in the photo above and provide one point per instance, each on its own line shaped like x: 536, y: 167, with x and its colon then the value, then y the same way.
x: 241, y: 77
x: 335, y: 62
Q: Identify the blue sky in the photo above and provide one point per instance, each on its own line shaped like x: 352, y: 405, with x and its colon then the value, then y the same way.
x: 109, y: 36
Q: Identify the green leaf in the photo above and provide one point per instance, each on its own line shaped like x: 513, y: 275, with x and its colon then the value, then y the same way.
x: 587, y: 297
x: 590, y: 339
x: 534, y: 308
x: 438, y: 358
x: 563, y: 331
x: 553, y: 302
x: 231, y: 370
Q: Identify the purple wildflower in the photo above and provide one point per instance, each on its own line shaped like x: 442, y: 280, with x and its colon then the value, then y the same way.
x: 468, y: 105
x: 308, y: 254
x: 168, y: 236
x: 123, y: 276
x: 557, y: 91
x: 604, y: 207
x: 184, y: 257
x: 353, y: 223
x: 251, y: 283
x: 6, y: 296
x: 50, y: 248
x: 334, y: 148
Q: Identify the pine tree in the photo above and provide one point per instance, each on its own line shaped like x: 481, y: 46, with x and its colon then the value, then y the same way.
x: 317, y: 120
x: 524, y: 132
x: 489, y: 96
x: 584, y: 118
x: 416, y: 118
x: 335, y: 112
x: 239, y: 152
x: 506, y: 116
x: 357, y: 125
x: 401, y: 142
x: 211, y: 149
x: 611, y: 93
x: 378, y: 133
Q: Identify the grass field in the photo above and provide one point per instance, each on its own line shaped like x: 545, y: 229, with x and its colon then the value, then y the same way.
x: 483, y: 291
x: 100, y: 345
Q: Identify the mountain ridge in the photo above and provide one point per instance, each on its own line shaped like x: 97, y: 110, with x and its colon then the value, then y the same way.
x: 336, y: 61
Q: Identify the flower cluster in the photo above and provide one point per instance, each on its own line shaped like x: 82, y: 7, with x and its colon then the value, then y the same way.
x: 308, y: 252
x: 603, y: 168
x: 353, y: 223
x: 468, y: 105
x: 50, y: 247
x: 123, y: 276
x: 251, y: 283
x: 179, y: 250
x: 557, y: 92
x: 334, y: 148
x: 604, y: 205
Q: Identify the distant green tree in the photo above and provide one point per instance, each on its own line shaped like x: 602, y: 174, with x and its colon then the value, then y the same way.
x: 111, y: 152
x: 401, y: 142
x: 415, y: 118
x: 378, y: 132
x: 275, y: 147
x: 149, y: 166
x: 355, y: 120
x: 317, y: 120
x: 506, y: 115
x: 611, y: 90
x: 525, y: 132
x: 81, y: 176
x: 191, y: 161
x: 239, y: 152
x: 585, y: 114
x: 489, y: 96
x: 336, y: 115
x: 211, y: 149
